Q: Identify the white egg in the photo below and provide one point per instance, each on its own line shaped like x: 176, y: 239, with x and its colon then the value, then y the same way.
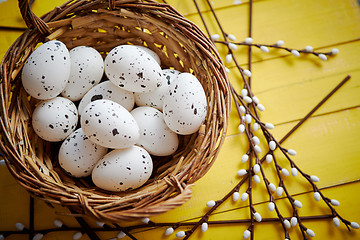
x: 78, y: 155
x: 87, y: 69
x: 151, y: 52
x: 123, y: 169
x: 46, y: 71
x: 185, y: 105
x: 109, y: 124
x: 155, y: 136
x: 155, y: 98
x: 107, y: 90
x: 55, y: 119
x: 131, y: 68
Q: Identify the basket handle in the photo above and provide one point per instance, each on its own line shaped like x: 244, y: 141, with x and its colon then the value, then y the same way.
x: 31, y: 19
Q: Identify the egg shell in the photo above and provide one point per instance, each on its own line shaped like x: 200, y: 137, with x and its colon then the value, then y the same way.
x: 185, y: 105
x: 87, y: 69
x: 55, y: 119
x: 155, y: 98
x: 107, y: 90
x: 78, y: 155
x: 109, y: 124
x: 155, y: 136
x: 151, y: 52
x: 123, y: 169
x: 131, y: 68
x: 47, y: 70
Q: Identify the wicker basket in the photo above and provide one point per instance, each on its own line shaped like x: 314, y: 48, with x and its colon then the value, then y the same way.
x: 104, y: 25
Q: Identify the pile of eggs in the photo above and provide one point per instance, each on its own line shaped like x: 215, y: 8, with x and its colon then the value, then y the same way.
x: 137, y: 112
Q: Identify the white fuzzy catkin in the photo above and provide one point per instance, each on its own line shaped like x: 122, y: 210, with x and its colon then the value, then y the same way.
x: 247, y: 73
x: 19, y: 226
x: 232, y: 46
x: 256, y: 140
x: 244, y: 158
x: 298, y: 204
x: 100, y: 224
x: 244, y: 92
x: 169, y: 231
x: 264, y: 49
x: 58, y: 223
x: 246, y: 234
x: 255, y: 126
x: 241, y: 172
x: 204, y: 227
x: 215, y: 37
x: 334, y: 51
x: 256, y: 178
x: 272, y: 145
x: 335, y: 202
x: 285, y: 172
x: 354, y: 225
x: 244, y: 196
x: 279, y: 191
x: 248, y: 40
x: 271, y: 206
x: 180, y: 234
x: 279, y: 43
x: 241, y: 128
x: 237, y: 2
x: 38, y: 236
x: 294, y: 171
x: 242, y: 109
x: 236, y: 196
x: 2, y: 237
x: 322, y: 56
x: 336, y: 221
x: 257, y: 149
x: 314, y: 178
x: 269, y: 126
x: 228, y: 58
x: 310, y: 232
x: 256, y: 168
x: 248, y: 118
x: 309, y: 48
x: 227, y: 70
x: 231, y: 37
x: 121, y: 234
x: 317, y: 196
x: 291, y: 152
x: 255, y: 99
x: 287, y: 224
x: 260, y: 107
x: 145, y: 220
x: 77, y: 235
x: 269, y: 158
x: 257, y: 217
x: 2, y: 162
x: 293, y: 221
x: 248, y: 99
x: 272, y: 187
x: 210, y: 203
x: 295, y: 53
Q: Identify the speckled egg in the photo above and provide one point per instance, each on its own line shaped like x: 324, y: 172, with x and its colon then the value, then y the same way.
x: 47, y: 70
x: 78, y: 155
x: 155, y: 98
x: 55, y: 119
x: 109, y: 124
x: 107, y: 90
x: 87, y: 69
x: 151, y: 52
x: 185, y: 105
x: 123, y: 169
x: 131, y: 68
x: 155, y: 136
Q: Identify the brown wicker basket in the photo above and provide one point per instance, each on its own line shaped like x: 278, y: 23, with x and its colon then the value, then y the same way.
x: 104, y: 25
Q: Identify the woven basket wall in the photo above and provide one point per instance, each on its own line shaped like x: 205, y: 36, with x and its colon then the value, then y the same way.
x: 103, y: 25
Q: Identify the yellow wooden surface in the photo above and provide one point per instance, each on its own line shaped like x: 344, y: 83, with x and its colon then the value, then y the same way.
x: 327, y: 144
